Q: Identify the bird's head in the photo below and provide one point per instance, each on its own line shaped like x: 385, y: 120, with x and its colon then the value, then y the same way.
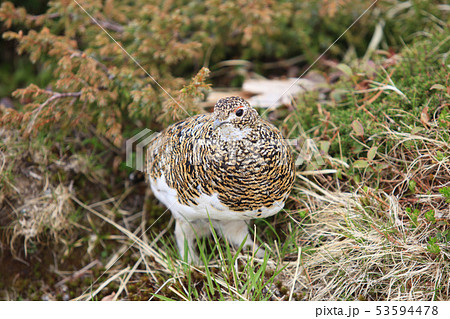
x: 234, y: 111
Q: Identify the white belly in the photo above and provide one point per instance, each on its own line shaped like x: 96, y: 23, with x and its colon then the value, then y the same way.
x: 208, y: 206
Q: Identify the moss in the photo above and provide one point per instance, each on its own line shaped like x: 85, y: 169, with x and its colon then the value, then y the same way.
x: 284, y: 290
x: 416, y: 68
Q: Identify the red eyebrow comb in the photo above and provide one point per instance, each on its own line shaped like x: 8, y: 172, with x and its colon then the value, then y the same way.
x: 239, y: 107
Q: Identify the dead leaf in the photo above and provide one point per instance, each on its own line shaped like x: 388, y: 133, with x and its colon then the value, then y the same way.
x: 272, y: 93
x: 360, y: 164
x: 372, y: 153
x: 109, y: 297
x: 439, y: 87
x: 424, y: 117
x: 116, y: 164
x: 345, y: 69
x: 358, y: 128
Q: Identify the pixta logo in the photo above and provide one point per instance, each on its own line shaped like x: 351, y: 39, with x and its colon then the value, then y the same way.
x: 141, y: 139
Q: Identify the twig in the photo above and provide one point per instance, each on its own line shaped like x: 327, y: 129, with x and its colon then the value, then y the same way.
x: 110, y: 25
x: 127, y: 279
x: 296, y: 272
x: 79, y: 273
x: 54, y: 96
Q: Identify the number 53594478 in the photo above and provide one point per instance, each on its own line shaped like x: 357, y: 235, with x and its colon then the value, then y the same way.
x: 404, y: 310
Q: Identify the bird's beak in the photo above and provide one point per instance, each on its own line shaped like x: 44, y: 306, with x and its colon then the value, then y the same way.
x: 217, y: 123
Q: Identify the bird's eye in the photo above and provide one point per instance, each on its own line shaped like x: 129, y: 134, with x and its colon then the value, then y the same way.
x: 239, y: 112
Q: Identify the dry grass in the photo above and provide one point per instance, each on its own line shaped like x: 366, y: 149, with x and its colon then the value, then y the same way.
x: 31, y: 205
x: 385, y: 238
x: 46, y: 214
x: 371, y: 254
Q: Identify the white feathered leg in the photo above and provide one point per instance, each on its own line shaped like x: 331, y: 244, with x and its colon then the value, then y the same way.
x: 188, y: 232
x: 236, y: 231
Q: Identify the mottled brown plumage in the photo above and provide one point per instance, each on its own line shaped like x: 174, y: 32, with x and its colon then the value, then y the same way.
x: 227, y: 166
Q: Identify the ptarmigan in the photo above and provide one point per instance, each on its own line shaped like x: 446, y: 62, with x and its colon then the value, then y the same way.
x: 221, y: 169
